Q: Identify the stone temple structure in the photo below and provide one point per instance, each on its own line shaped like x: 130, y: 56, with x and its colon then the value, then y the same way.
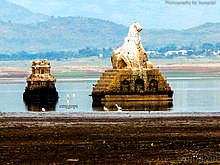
x: 40, y: 85
x: 133, y: 82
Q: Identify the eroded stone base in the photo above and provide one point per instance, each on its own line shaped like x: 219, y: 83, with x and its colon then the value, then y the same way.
x: 124, y: 98
x: 136, y: 106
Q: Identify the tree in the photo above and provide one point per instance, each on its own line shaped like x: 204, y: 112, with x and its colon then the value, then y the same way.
x: 208, y: 46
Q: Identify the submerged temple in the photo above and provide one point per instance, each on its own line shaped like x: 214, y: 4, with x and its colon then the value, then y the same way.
x: 40, y: 84
x: 133, y: 80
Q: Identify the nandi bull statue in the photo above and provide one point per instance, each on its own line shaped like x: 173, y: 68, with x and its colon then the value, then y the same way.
x: 131, y: 55
x: 133, y: 82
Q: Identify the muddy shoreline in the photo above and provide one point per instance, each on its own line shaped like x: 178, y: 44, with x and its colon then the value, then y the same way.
x: 8, y: 72
x: 109, y: 138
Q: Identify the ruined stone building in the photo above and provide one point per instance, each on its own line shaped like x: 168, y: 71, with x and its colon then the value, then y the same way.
x: 40, y: 84
x: 133, y: 81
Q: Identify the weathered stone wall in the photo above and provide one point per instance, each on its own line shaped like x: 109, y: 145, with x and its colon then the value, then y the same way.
x: 132, y: 82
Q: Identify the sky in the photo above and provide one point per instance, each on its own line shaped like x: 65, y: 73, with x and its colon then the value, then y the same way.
x: 171, y: 14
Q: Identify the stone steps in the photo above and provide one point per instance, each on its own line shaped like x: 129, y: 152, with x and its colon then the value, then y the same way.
x: 104, y: 81
x: 108, y: 74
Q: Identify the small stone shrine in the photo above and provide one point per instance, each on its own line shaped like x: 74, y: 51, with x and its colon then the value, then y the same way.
x: 40, y: 84
x: 133, y: 78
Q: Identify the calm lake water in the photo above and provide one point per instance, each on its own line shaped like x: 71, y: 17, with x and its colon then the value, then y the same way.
x: 190, y: 95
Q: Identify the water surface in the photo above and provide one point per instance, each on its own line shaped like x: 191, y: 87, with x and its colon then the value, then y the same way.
x: 199, y: 94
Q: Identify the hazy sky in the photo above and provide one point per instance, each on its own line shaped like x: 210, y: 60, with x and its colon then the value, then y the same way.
x: 150, y: 13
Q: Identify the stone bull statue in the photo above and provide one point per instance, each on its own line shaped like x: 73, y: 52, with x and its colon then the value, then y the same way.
x: 131, y: 55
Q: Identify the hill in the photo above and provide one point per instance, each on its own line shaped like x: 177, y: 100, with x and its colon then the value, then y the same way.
x: 206, y: 33
x: 10, y: 12
x: 23, y: 30
x: 68, y: 33
x: 73, y: 33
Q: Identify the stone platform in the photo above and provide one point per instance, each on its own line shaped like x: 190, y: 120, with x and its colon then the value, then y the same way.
x: 127, y: 85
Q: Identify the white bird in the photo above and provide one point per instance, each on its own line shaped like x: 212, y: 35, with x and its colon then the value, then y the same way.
x: 119, y: 108
x: 105, y: 108
x: 68, y: 102
x: 74, y: 95
x: 67, y: 96
x: 43, y: 109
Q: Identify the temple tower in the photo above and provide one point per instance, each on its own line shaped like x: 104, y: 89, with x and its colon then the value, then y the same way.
x: 40, y: 84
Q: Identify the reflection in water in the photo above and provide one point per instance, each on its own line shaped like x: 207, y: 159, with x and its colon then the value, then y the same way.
x: 136, y: 106
x: 40, y: 106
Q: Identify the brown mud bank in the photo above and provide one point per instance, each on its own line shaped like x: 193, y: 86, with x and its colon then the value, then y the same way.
x: 96, y: 140
x: 7, y: 73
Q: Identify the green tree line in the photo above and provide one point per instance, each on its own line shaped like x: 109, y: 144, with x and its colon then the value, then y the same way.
x: 205, y: 49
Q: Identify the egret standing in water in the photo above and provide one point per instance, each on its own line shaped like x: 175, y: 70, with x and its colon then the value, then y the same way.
x: 105, y: 108
x: 119, y: 108
x: 68, y: 102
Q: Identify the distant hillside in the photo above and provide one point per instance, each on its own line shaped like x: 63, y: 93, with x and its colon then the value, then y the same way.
x: 10, y: 12
x: 23, y: 30
x: 206, y: 33
x: 74, y: 33
x: 69, y: 33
